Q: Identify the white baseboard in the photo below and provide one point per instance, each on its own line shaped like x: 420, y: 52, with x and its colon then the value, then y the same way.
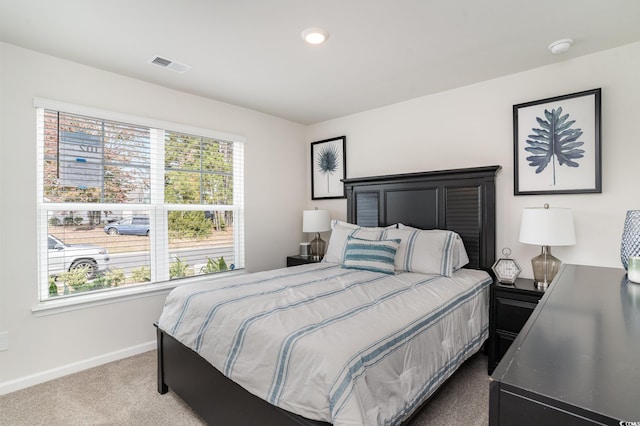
x: 45, y: 376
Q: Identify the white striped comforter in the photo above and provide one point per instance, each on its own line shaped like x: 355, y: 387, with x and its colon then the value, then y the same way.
x: 344, y: 346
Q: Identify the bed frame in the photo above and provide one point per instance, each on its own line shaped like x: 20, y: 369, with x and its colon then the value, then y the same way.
x: 462, y: 200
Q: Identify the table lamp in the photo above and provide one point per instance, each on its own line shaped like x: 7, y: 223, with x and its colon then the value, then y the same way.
x: 546, y: 227
x: 316, y: 221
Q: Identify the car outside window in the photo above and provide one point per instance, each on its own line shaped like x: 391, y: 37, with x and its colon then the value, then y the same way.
x: 66, y: 258
x: 129, y: 226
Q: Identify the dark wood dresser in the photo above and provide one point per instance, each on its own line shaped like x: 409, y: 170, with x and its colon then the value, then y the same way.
x: 577, y: 359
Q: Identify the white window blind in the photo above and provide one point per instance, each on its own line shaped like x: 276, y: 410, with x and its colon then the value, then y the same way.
x: 123, y: 204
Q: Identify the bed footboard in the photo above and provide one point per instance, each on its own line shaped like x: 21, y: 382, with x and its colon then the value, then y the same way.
x: 217, y: 399
x: 162, y: 386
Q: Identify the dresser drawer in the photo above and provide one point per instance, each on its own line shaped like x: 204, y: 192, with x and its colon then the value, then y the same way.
x: 512, y: 407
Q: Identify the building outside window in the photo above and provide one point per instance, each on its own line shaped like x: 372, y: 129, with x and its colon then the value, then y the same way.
x: 123, y: 203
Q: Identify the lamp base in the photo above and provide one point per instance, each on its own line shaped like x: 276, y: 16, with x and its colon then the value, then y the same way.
x: 545, y: 267
x: 317, y: 247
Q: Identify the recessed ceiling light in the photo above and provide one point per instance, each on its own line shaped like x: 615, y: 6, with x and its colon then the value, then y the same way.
x: 560, y: 46
x: 315, y: 35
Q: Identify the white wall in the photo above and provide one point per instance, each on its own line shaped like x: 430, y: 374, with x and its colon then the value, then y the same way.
x: 2, y: 309
x: 41, y: 347
x: 469, y: 126
x: 472, y: 126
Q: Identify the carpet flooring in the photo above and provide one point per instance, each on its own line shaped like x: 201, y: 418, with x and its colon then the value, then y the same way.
x: 124, y: 393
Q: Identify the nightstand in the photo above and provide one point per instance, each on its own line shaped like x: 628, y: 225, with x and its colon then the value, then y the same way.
x: 300, y: 260
x: 511, y: 306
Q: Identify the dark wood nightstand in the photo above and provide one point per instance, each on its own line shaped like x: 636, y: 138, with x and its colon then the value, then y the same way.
x: 300, y: 260
x: 511, y: 306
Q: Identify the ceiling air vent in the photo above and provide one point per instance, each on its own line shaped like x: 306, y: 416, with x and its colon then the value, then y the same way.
x: 169, y: 64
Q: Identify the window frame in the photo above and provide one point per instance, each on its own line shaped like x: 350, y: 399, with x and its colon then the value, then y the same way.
x: 158, y: 210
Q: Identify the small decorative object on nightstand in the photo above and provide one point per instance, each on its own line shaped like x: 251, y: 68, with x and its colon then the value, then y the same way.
x: 305, y: 249
x: 510, y: 308
x: 505, y: 268
x: 300, y: 260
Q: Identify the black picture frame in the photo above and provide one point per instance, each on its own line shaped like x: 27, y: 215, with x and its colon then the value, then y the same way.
x: 328, y: 168
x: 575, y: 167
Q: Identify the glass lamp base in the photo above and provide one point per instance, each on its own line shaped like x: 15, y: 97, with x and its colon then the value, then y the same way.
x: 317, y: 247
x: 545, y: 267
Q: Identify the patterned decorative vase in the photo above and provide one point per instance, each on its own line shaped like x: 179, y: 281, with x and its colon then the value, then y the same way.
x: 630, y: 244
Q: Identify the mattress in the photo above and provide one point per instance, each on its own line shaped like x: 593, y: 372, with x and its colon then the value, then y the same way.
x: 345, y: 346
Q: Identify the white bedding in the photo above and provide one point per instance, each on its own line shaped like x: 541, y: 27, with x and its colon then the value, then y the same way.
x: 344, y: 346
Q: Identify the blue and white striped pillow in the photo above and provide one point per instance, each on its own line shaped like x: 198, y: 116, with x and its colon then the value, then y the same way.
x: 460, y: 256
x: 425, y: 251
x: 340, y: 233
x: 371, y: 255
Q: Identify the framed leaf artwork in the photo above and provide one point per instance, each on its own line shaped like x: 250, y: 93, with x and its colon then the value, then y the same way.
x: 557, y: 145
x: 328, y: 168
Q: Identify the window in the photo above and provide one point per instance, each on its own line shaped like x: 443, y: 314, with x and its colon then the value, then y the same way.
x: 123, y: 204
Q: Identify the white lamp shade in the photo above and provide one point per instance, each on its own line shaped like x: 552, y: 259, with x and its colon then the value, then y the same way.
x: 547, y: 227
x: 316, y: 221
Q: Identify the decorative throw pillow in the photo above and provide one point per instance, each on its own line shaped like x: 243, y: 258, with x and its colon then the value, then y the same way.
x: 460, y: 256
x: 340, y: 232
x: 369, y: 255
x: 426, y: 252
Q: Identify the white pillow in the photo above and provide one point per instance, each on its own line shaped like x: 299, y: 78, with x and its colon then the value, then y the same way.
x: 340, y: 232
x: 368, y: 255
x: 460, y: 257
x: 426, y: 252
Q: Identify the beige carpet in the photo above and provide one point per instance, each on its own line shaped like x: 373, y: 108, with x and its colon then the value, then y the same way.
x: 124, y: 393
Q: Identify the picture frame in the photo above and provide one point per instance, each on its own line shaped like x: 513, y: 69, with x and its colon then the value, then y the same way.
x: 541, y: 166
x: 328, y: 168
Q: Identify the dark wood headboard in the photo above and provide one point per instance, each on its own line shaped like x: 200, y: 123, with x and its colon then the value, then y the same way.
x: 461, y: 200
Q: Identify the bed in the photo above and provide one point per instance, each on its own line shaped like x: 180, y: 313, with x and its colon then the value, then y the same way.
x: 337, y: 360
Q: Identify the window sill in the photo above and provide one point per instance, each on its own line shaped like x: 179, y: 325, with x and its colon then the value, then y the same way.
x: 67, y: 304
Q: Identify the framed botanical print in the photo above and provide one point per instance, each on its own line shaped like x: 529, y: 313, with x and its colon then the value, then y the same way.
x: 557, y: 145
x: 328, y: 168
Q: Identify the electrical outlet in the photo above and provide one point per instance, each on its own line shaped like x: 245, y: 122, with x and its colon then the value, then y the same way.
x: 4, y: 340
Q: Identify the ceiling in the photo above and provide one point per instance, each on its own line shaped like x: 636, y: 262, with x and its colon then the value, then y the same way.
x: 250, y: 53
